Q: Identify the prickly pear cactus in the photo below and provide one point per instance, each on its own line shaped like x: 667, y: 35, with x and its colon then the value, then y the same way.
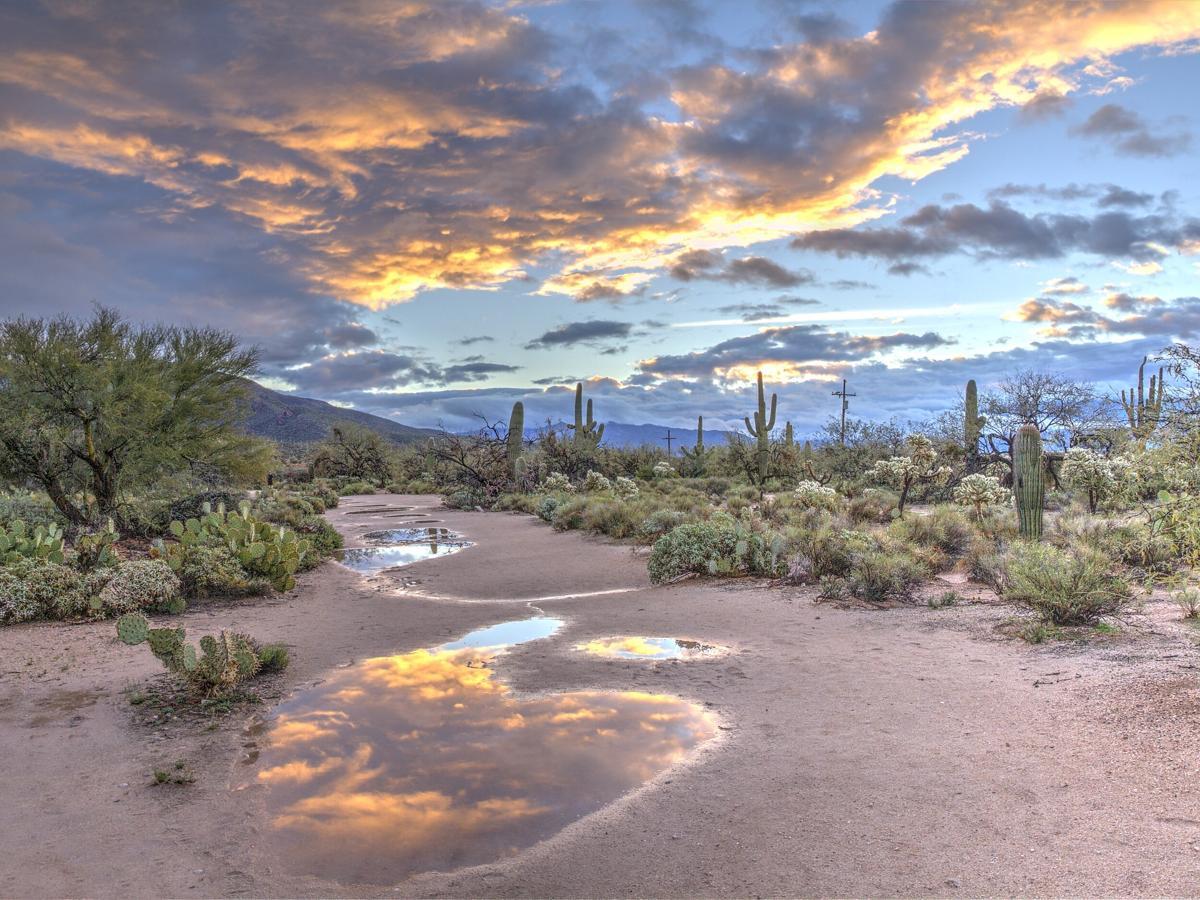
x: 133, y: 628
x: 44, y: 543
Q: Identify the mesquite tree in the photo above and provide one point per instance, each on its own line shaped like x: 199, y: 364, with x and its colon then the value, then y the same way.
x: 90, y: 410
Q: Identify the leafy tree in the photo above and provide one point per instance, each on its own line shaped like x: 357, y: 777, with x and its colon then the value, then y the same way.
x: 91, y: 410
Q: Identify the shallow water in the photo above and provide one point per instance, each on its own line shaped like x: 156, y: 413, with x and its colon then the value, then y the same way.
x: 400, y: 547
x: 638, y: 647
x: 427, y: 761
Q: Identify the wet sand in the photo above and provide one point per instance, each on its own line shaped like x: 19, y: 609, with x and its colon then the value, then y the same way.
x: 860, y: 752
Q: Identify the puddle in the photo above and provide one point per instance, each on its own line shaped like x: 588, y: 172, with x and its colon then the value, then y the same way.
x: 635, y: 647
x: 399, y: 547
x: 427, y: 761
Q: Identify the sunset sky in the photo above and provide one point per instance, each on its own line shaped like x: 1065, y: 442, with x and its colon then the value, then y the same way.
x: 425, y: 210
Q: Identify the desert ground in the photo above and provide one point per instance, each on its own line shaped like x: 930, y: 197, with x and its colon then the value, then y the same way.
x: 908, y: 751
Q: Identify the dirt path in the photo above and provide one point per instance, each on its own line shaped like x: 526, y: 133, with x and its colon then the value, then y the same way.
x: 877, y: 753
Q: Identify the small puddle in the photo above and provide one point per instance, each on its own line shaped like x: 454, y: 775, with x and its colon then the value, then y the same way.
x: 635, y: 647
x: 399, y: 547
x: 427, y: 761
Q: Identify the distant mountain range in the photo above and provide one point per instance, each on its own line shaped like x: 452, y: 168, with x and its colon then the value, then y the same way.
x: 302, y: 420
x: 288, y: 419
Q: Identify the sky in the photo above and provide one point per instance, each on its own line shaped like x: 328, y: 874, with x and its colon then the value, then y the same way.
x: 428, y: 210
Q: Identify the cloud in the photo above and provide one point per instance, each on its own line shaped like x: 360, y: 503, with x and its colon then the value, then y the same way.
x: 475, y: 371
x: 793, y: 350
x: 1046, y: 104
x: 1002, y: 232
x: 755, y: 270
x: 753, y: 312
x: 1129, y: 134
x: 477, y: 339
x: 573, y: 333
x: 1147, y: 316
x: 1105, y: 195
x: 397, y: 148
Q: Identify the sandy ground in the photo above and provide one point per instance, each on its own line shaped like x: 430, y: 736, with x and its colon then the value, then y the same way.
x: 864, y: 752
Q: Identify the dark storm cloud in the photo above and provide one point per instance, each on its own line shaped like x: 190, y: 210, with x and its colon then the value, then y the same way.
x: 1129, y: 134
x: 340, y: 373
x: 580, y: 333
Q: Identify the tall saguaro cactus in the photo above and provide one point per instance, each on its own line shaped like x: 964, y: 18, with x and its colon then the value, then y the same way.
x: 696, y: 459
x: 586, y: 430
x: 1029, y: 480
x: 1142, y: 410
x: 761, y: 429
x: 516, y: 437
x: 973, y: 424
x: 789, y: 436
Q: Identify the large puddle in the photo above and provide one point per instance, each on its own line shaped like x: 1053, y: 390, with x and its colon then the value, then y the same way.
x: 427, y: 761
x: 399, y: 547
x: 637, y: 647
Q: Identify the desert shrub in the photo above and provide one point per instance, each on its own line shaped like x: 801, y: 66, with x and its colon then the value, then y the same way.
x: 557, y: 481
x: 221, y: 665
x: 818, y: 496
x: 663, y: 469
x: 352, y: 488
x: 661, y: 521
x: 32, y: 508
x: 192, y: 506
x: 986, y: 564
x: 872, y: 506
x: 720, y: 546
x: 568, y: 516
x: 323, y: 540
x: 1103, y: 480
x: 464, y: 499
x: 273, y: 658
x: 944, y: 528
x: 596, y: 481
x: 625, y: 488
x: 1188, y: 600
x: 828, y: 552
x: 1065, y: 587
x: 213, y: 571
x: 612, y: 517
x: 547, y: 506
x: 137, y: 585
x: 16, y: 602
x: 878, y: 576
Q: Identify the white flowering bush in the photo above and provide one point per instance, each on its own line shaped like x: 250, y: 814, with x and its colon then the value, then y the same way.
x: 625, y: 488
x: 596, y: 481
x: 816, y: 496
x: 978, y: 491
x: 557, y: 481
x: 903, y: 473
x: 139, y: 584
x: 1105, y: 480
x: 663, y: 469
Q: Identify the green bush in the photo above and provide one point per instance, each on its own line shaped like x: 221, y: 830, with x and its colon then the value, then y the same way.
x: 944, y: 528
x: 1065, y: 587
x: 879, y: 576
x: 661, y: 521
x: 16, y: 603
x: 873, y: 506
x: 213, y: 571
x: 352, y: 488
x: 323, y: 540
x: 720, y: 546
x: 547, y: 506
x: 827, y: 552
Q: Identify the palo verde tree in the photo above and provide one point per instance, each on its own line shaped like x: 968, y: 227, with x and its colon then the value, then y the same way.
x: 353, y: 451
x: 91, y: 410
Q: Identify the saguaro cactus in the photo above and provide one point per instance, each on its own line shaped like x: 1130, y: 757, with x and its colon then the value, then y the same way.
x: 789, y: 436
x: 1144, y: 411
x: 696, y: 459
x: 761, y: 429
x: 516, y: 436
x: 1029, y: 480
x: 586, y: 429
x: 972, y: 425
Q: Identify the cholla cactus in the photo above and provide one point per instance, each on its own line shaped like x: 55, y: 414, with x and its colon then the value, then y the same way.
x: 557, y: 481
x: 663, y: 469
x: 596, y: 481
x: 817, y: 496
x: 980, y: 490
x: 1104, y: 479
x: 905, y: 472
x: 625, y: 488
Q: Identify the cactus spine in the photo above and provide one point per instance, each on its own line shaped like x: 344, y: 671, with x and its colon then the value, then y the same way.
x: 1029, y: 480
x: 972, y: 425
x: 1144, y: 411
x: 761, y: 429
x: 516, y: 437
x: 586, y: 430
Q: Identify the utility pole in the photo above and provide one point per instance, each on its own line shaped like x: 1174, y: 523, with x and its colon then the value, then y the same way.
x: 845, y: 405
x: 668, y: 439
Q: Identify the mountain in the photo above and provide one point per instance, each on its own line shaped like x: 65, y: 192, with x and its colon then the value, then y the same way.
x: 620, y: 434
x: 302, y: 420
